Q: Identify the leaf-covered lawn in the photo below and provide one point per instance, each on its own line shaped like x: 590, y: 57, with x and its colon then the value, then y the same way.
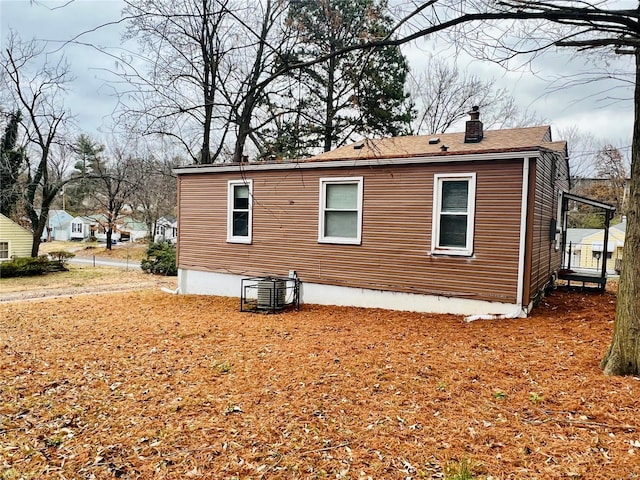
x: 150, y: 385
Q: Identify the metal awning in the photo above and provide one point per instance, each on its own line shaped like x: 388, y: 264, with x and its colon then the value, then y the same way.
x: 589, y: 201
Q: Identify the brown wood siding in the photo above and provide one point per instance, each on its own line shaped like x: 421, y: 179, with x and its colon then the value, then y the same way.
x: 550, y: 177
x: 396, y: 231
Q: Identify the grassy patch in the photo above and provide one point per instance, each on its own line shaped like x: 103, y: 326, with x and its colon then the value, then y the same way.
x: 133, y: 251
x: 77, y: 276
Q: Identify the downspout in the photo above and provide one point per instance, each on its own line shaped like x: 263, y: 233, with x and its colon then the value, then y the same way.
x: 523, y: 234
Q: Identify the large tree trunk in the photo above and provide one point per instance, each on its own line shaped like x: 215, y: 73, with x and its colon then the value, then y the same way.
x: 39, y: 220
x: 330, y: 113
x: 253, y: 90
x: 109, y: 233
x: 623, y: 356
x: 244, y: 128
x: 37, y: 236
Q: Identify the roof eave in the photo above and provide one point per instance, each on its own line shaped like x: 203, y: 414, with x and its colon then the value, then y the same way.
x: 443, y: 157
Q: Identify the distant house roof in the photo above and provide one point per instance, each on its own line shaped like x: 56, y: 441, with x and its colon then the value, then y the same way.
x: 167, y: 219
x: 7, y: 221
x: 581, y: 235
x: 576, y: 235
x: 98, y: 217
x: 85, y: 220
x: 59, y: 218
x: 130, y: 224
x: 621, y: 227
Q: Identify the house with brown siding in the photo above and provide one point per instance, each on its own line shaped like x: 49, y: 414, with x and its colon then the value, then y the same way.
x: 462, y: 223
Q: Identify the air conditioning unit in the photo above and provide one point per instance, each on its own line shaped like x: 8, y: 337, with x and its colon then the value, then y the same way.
x: 271, y: 293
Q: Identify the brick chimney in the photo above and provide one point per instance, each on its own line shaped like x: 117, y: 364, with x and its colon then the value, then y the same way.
x: 473, y: 130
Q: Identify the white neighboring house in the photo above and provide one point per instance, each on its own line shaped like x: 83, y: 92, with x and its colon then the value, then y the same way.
x: 166, y: 229
x: 124, y: 229
x: 58, y: 226
x: 132, y: 229
x: 82, y: 227
x: 100, y: 232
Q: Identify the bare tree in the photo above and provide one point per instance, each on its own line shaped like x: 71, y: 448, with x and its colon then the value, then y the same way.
x: 206, y: 67
x: 157, y: 195
x: 611, y: 167
x: 36, y: 86
x: 444, y: 95
x: 118, y: 178
x: 175, y: 82
x: 583, y: 148
x: 270, y: 41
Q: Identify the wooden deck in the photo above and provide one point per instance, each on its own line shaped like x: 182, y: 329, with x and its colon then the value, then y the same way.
x: 589, y: 280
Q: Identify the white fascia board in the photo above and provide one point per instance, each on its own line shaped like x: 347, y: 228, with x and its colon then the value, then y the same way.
x: 364, y: 162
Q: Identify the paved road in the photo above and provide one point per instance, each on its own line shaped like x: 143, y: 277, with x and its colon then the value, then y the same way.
x: 106, y: 262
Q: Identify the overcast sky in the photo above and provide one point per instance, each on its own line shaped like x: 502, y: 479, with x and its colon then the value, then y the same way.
x: 587, y: 106
x: 91, y: 98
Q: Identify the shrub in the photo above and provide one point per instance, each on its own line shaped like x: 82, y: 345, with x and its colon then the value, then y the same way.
x: 25, y: 266
x: 160, y: 259
x: 59, y: 260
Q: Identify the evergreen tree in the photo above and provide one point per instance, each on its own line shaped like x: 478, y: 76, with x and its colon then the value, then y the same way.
x: 12, y: 162
x: 81, y: 191
x: 349, y: 95
x: 381, y: 97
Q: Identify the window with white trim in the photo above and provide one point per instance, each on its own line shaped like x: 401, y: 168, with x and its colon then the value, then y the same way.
x: 239, y: 211
x: 453, y: 214
x: 340, y: 217
x: 4, y: 250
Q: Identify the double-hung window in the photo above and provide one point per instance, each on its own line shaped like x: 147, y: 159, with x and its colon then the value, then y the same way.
x: 453, y: 214
x: 239, y: 211
x: 340, y: 217
x: 4, y: 250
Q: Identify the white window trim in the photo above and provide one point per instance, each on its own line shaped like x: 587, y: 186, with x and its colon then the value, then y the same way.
x: 466, y: 251
x: 230, y: 237
x: 323, y: 189
x: 3, y: 259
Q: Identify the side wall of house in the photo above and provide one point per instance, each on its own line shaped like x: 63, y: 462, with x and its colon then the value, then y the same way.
x: 396, y: 230
x: 19, y: 239
x: 551, y: 176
